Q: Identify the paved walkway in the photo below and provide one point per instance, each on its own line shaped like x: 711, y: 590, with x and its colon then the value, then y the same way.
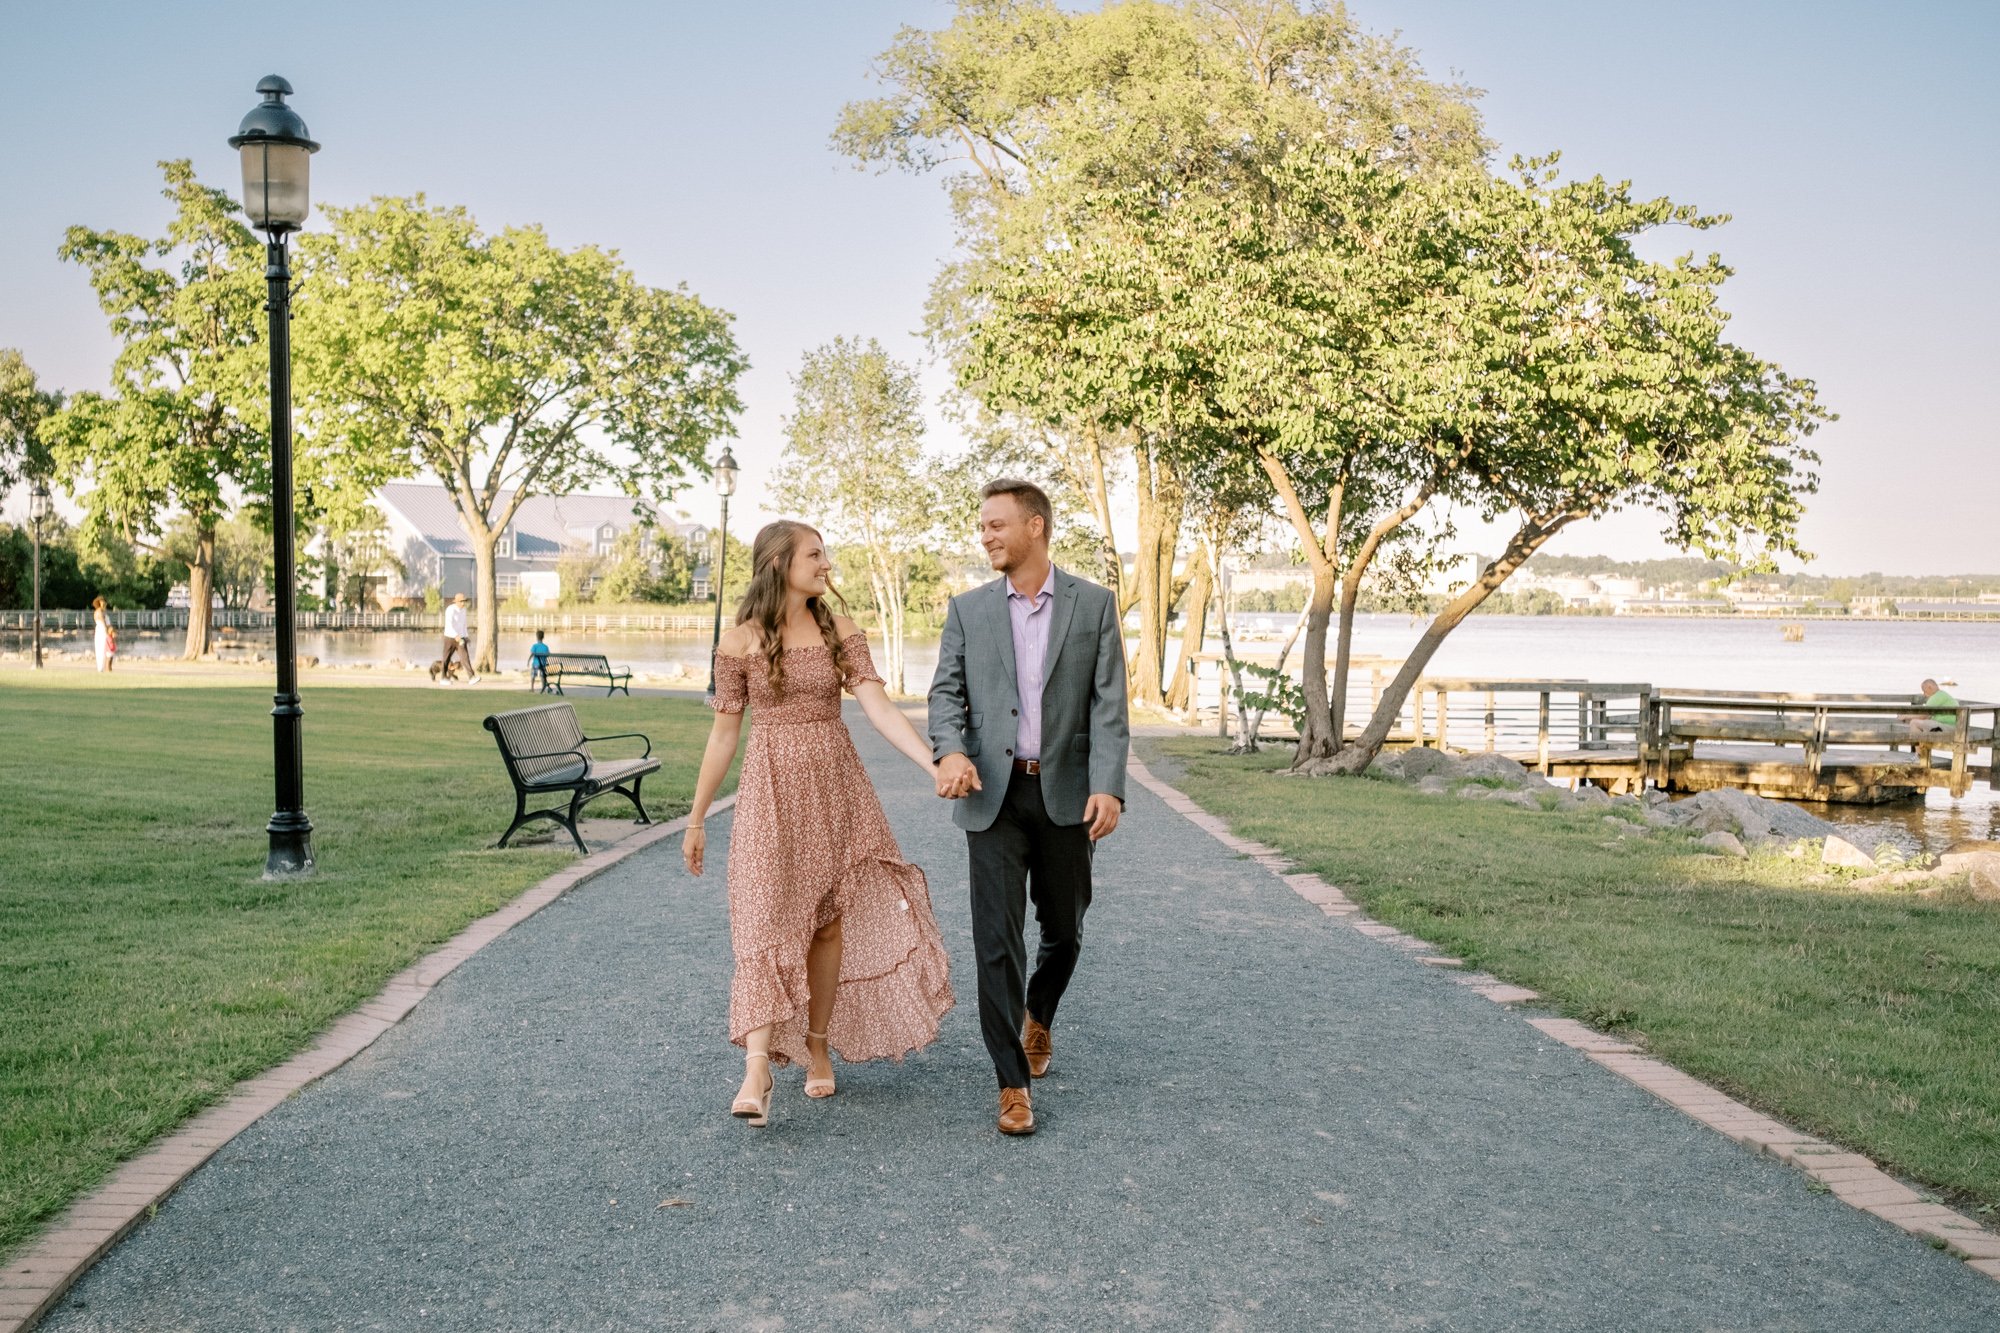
x: 1258, y: 1119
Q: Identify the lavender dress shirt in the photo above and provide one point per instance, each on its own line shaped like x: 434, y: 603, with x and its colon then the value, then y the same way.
x: 1030, y: 617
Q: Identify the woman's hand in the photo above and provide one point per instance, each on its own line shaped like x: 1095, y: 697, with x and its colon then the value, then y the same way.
x: 694, y: 846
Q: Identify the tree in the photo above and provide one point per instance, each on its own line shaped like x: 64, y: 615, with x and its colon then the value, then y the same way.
x: 184, y: 426
x: 503, y: 366
x: 24, y: 406
x: 1170, y: 102
x: 853, y: 464
x: 1605, y: 382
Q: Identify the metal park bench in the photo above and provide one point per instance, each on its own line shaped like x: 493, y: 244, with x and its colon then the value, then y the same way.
x: 589, y: 666
x: 546, y: 753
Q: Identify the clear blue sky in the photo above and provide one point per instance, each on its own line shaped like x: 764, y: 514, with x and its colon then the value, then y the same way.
x: 1853, y: 143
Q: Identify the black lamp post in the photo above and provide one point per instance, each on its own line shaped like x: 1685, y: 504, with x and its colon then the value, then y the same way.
x: 725, y: 486
x: 38, y: 513
x: 276, y: 165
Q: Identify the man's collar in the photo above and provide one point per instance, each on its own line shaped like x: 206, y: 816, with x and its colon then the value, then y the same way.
x: 1048, y: 585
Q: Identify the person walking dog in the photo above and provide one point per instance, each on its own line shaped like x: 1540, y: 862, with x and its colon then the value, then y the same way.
x: 1029, y: 737
x: 455, y: 636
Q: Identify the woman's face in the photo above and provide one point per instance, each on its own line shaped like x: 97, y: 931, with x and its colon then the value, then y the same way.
x: 810, y: 566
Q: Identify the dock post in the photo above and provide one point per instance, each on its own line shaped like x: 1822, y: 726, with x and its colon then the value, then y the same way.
x: 1489, y: 721
x: 1417, y: 716
x: 1444, y: 720
x: 1961, y: 743
x: 1542, y: 735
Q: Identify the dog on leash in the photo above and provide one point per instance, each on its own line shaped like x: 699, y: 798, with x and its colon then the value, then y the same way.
x: 448, y: 670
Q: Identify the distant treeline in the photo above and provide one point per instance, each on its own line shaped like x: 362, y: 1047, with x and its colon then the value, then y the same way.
x: 1688, y: 571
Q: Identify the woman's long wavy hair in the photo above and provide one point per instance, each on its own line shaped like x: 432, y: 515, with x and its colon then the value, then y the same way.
x: 763, y: 605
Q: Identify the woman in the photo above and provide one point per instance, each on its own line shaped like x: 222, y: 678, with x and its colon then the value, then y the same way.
x: 106, y: 639
x: 836, y: 948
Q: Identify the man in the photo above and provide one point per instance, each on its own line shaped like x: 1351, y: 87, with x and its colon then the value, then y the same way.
x: 455, y: 639
x: 1028, y: 735
x: 1941, y: 709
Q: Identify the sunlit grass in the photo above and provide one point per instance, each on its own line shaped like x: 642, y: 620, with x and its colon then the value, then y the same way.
x: 147, y: 965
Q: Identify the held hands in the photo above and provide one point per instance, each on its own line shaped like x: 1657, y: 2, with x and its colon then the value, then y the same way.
x: 956, y: 777
x: 1100, y: 812
x: 694, y: 845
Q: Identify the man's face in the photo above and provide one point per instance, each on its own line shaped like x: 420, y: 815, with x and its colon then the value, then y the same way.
x: 1008, y: 531
x: 1928, y: 688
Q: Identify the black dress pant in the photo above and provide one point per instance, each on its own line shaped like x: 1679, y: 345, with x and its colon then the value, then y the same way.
x: 1022, y: 857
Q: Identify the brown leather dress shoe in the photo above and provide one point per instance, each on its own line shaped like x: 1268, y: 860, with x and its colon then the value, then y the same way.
x: 1035, y: 1041
x: 1017, y: 1113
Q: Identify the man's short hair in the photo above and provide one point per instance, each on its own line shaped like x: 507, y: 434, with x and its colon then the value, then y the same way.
x: 1028, y: 495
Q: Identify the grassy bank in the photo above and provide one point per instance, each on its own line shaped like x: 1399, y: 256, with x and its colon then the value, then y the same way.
x: 1867, y: 1018
x: 147, y: 967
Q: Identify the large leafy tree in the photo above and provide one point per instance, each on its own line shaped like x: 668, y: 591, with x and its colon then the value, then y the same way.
x: 502, y: 365
x: 1171, y: 102
x: 854, y: 464
x: 183, y: 429
x: 1378, y: 343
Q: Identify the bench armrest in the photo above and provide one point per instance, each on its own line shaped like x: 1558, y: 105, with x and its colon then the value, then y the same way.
x: 624, y: 736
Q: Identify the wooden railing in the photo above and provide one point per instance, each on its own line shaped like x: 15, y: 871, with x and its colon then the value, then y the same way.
x: 406, y: 621
x: 1869, y: 728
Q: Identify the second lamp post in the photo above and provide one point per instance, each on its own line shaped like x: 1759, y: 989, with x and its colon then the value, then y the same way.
x: 38, y: 514
x: 725, y: 486
x: 276, y: 163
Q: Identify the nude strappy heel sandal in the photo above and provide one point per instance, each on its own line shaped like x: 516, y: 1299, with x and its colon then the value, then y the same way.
x: 756, y: 1114
x: 817, y: 1088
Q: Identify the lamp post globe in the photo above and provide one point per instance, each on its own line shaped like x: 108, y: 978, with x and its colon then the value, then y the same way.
x: 725, y: 486
x: 38, y: 513
x: 277, y: 162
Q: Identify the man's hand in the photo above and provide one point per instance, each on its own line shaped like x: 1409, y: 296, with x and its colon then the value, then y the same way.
x: 694, y: 845
x: 1100, y: 812
x: 956, y: 777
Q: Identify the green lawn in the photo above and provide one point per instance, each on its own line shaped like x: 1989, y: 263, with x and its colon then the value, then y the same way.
x: 1867, y: 1018
x: 144, y: 964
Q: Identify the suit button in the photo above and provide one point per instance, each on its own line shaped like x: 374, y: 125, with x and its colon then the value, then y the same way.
x: 1010, y: 754
x: 1015, y: 711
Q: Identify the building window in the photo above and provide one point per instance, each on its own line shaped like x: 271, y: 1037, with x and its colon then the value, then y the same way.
x: 506, y: 584
x: 607, y: 536
x: 503, y: 547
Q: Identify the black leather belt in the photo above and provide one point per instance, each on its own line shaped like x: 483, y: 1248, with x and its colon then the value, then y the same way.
x: 1032, y: 767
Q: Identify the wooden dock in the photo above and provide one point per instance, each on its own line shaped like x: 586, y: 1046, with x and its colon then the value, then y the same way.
x: 1625, y: 736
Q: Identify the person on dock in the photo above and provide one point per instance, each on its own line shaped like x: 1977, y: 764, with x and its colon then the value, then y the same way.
x: 1940, y: 709
x: 456, y: 638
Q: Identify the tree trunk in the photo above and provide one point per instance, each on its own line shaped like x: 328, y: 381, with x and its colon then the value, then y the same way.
x: 1524, y: 543
x: 1159, y: 511
x: 201, y: 594
x: 1194, y: 626
x: 486, y: 600
x: 1317, y: 739
x: 1343, y: 652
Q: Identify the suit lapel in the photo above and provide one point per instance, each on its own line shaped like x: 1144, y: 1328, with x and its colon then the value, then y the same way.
x: 1003, y: 623
x: 1060, y: 615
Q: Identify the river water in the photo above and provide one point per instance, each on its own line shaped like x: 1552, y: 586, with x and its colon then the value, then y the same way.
x: 1834, y: 657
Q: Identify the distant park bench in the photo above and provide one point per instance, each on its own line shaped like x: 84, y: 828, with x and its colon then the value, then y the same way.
x: 546, y: 754
x: 592, y: 667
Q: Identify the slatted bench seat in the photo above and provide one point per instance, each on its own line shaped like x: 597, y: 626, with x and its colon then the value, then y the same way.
x: 547, y: 754
x: 589, y: 667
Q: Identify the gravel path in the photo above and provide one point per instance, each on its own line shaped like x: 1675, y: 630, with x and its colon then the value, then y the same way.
x: 1258, y: 1119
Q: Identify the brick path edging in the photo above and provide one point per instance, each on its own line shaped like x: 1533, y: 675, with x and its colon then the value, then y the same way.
x: 1851, y: 1177
x: 31, y: 1285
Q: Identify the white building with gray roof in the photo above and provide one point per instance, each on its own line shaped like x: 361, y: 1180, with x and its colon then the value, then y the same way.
x: 427, y: 538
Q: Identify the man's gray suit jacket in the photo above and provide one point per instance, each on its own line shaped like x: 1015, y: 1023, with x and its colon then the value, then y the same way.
x: 975, y: 707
